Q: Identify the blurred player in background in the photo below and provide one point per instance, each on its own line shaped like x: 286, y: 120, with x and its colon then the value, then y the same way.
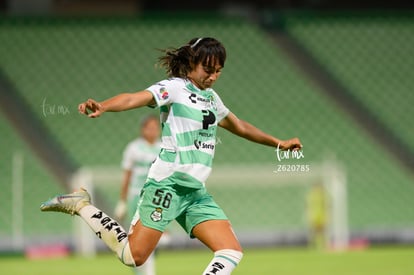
x: 137, y: 158
x: 190, y: 112
x: 317, y: 216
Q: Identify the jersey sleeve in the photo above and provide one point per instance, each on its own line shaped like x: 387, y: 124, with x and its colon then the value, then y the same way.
x: 163, y: 92
x: 222, y: 110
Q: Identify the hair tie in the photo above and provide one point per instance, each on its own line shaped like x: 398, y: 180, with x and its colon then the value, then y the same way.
x: 195, y: 43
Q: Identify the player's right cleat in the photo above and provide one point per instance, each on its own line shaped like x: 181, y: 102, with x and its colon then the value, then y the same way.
x: 69, y: 203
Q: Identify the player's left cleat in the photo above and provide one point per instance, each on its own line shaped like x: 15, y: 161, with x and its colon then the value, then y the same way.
x: 69, y: 203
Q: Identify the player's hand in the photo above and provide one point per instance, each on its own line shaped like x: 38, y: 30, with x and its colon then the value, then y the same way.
x: 92, y: 106
x: 292, y: 144
x: 120, y: 210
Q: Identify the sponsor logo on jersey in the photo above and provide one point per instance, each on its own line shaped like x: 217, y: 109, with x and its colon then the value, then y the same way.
x: 164, y: 93
x: 203, y: 145
x: 193, y: 98
x: 209, y: 102
x: 205, y: 135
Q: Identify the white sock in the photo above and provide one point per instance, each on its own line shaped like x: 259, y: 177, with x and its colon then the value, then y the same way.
x: 148, y: 268
x: 224, y: 262
x: 110, y: 231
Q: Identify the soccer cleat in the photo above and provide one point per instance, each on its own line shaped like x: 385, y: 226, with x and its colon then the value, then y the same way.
x: 68, y: 203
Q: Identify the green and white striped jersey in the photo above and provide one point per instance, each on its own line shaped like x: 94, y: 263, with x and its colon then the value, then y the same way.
x: 189, y: 118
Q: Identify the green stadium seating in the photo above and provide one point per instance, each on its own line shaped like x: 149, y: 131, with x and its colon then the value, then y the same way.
x: 57, y: 63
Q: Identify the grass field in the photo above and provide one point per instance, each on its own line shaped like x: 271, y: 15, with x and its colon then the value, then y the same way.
x: 376, y: 261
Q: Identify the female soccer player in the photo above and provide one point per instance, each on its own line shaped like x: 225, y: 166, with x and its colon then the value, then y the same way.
x: 190, y: 111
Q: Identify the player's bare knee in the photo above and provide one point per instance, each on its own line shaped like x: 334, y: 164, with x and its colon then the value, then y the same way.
x: 140, y: 258
x: 139, y: 255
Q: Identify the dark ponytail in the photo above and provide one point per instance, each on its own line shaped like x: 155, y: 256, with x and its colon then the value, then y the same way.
x: 178, y: 62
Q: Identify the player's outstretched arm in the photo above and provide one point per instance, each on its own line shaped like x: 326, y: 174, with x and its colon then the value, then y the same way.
x: 121, y: 102
x: 244, y: 129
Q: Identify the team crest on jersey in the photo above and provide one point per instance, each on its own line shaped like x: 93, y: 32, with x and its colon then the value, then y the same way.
x: 212, y: 102
x: 156, y: 215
